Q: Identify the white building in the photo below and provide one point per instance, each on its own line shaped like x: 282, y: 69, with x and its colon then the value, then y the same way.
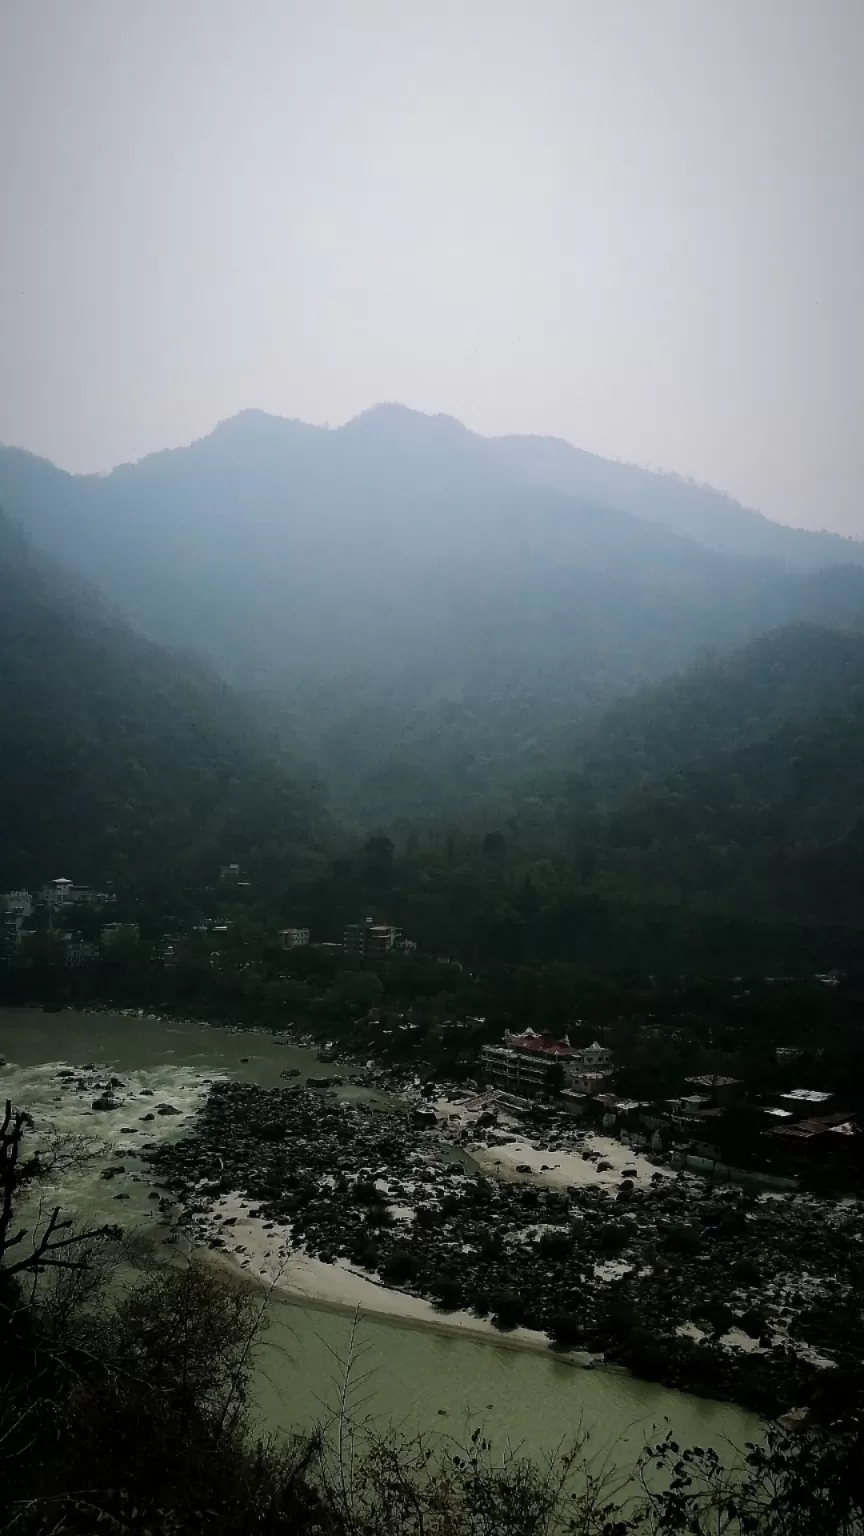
x: 594, y: 1058
x: 293, y: 938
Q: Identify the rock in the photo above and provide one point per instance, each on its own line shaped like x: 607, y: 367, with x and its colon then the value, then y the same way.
x: 148, y: 1117
x: 116, y: 1082
x: 105, y: 1102
x: 167, y: 1109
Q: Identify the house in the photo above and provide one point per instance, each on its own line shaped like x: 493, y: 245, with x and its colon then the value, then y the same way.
x: 595, y: 1058
x: 65, y: 893
x: 369, y: 940
x: 722, y: 1091
x: 824, y: 1138
x: 583, y: 1081
x: 80, y: 951
x: 802, y: 1102
x: 17, y: 903
x: 113, y: 933
x: 293, y: 938
x: 229, y: 871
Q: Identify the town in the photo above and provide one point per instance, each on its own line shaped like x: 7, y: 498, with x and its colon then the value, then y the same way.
x: 686, y: 1088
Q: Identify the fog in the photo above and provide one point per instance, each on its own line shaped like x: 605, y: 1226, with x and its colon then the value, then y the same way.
x: 638, y: 225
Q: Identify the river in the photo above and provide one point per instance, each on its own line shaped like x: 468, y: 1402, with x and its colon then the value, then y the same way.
x: 416, y: 1377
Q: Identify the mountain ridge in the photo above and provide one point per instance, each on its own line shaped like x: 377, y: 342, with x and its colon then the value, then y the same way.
x: 121, y: 759
x: 693, y: 510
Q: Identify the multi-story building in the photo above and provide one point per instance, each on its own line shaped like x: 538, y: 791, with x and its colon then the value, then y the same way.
x: 522, y: 1065
x: 369, y: 940
x: 65, y: 893
x: 293, y: 938
x: 17, y: 903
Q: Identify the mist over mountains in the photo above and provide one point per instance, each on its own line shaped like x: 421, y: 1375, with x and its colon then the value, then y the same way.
x: 612, y: 737
x: 424, y: 610
x: 122, y: 760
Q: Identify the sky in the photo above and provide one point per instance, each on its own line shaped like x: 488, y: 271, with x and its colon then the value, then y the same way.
x: 636, y: 224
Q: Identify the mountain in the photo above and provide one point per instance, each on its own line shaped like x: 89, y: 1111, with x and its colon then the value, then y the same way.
x: 416, y: 611
x: 698, y: 512
x: 121, y: 760
x: 729, y: 703
x: 737, y: 789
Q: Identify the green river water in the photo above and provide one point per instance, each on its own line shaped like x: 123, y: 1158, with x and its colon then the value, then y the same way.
x: 414, y: 1377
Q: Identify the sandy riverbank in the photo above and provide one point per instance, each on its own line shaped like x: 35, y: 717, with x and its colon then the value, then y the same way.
x: 265, y: 1256
x: 558, y: 1169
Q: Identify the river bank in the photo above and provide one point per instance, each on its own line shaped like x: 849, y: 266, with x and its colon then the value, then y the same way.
x: 693, y: 1285
x: 419, y: 1376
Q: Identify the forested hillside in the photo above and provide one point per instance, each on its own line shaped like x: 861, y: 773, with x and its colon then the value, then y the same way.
x: 416, y: 612
x: 736, y: 789
x: 119, y: 759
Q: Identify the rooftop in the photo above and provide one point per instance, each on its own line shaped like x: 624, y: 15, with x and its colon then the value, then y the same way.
x: 807, y: 1096
x: 545, y: 1044
x: 712, y: 1080
x: 805, y: 1130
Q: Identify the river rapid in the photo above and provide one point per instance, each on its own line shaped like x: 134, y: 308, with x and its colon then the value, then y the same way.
x: 414, y: 1376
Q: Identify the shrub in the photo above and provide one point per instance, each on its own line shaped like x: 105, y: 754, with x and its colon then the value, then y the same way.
x: 399, y: 1267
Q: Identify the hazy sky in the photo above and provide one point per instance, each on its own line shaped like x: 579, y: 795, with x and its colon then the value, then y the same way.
x: 638, y: 224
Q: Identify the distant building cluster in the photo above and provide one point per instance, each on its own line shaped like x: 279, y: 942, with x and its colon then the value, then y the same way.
x: 26, y: 914
x: 372, y: 941
x: 797, y: 1125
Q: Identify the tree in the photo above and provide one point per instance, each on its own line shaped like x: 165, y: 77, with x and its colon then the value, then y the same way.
x: 52, y: 1246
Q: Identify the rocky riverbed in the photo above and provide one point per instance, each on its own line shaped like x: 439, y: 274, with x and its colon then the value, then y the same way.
x: 707, y: 1288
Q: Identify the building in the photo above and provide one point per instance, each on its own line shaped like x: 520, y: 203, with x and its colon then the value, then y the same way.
x: 293, y: 938
x: 595, y: 1058
x: 583, y: 1081
x: 803, y: 1102
x: 80, y: 951
x: 826, y: 1138
x: 17, y: 903
x: 522, y: 1064
x: 721, y: 1091
x: 113, y: 933
x: 65, y: 893
x: 369, y: 940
